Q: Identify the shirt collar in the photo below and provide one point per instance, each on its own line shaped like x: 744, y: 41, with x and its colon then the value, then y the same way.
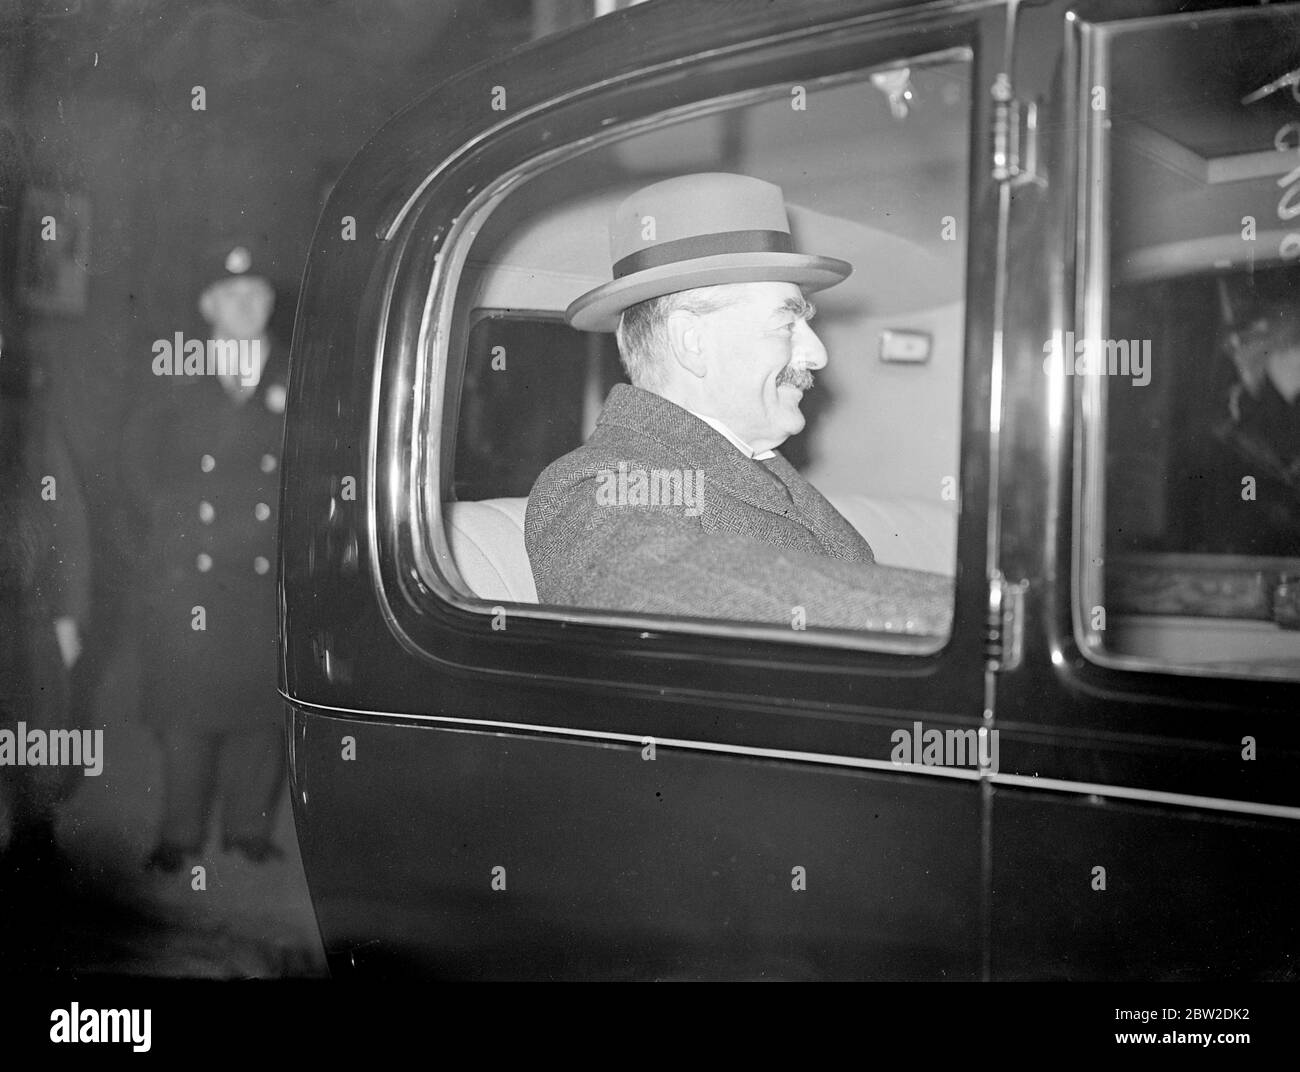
x: 733, y: 439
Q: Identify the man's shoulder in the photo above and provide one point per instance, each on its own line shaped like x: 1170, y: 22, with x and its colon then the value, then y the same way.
x: 635, y: 428
x: 601, y: 454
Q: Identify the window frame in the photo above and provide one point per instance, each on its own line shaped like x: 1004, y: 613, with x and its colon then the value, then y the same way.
x: 1092, y: 304
x: 843, y: 692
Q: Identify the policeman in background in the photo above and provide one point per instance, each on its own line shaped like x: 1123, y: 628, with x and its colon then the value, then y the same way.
x: 201, y: 453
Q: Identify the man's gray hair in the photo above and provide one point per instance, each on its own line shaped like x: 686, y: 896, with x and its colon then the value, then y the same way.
x: 643, y: 343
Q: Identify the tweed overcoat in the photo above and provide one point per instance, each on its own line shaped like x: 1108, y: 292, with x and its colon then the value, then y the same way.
x: 753, y: 541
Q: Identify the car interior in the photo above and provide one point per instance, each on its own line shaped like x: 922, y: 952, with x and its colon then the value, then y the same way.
x: 874, y: 171
x: 1194, y: 500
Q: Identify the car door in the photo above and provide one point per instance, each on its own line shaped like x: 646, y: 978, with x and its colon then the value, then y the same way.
x: 1147, y: 797
x: 491, y: 788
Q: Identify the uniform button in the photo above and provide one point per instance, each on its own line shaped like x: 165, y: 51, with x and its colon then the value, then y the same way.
x: 207, y: 463
x: 268, y: 463
x: 204, y: 562
x: 261, y: 511
x: 206, y: 512
x: 260, y: 565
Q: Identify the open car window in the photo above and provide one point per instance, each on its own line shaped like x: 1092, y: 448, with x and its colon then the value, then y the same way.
x: 1188, y: 362
x: 874, y: 169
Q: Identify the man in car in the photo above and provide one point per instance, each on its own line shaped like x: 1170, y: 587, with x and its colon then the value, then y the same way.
x: 679, y: 502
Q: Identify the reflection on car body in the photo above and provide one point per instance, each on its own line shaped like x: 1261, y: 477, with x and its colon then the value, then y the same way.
x: 1097, y: 762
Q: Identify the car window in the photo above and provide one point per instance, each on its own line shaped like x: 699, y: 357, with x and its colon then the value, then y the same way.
x: 1187, y: 363
x: 502, y: 446
x: 874, y: 170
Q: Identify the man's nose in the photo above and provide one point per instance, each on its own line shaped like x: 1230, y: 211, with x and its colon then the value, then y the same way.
x: 808, y: 349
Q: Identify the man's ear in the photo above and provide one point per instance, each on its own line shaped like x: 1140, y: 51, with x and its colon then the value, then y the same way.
x: 686, y: 336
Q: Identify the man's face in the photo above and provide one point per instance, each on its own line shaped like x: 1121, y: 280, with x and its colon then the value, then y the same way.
x: 759, y: 356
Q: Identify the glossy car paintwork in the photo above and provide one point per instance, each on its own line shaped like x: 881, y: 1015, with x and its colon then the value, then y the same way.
x: 618, y: 867
x: 524, y: 750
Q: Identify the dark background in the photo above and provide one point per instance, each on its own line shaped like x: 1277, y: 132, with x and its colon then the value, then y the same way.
x: 95, y: 102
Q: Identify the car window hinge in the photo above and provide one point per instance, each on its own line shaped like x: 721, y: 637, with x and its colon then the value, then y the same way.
x: 1005, y: 627
x: 1015, y: 136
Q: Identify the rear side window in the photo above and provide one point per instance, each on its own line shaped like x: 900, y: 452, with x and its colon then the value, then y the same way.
x: 533, y: 387
x: 1188, y: 364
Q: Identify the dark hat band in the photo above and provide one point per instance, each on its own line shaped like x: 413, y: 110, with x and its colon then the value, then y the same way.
x: 705, y: 245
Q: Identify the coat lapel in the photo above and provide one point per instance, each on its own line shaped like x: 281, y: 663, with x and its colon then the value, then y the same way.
x: 831, y: 527
x: 774, y: 485
x: 745, y: 478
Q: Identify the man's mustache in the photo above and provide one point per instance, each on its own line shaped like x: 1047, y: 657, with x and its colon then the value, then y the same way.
x: 795, y: 377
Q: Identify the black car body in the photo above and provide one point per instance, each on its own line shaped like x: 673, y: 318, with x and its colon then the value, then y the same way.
x: 488, y: 788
